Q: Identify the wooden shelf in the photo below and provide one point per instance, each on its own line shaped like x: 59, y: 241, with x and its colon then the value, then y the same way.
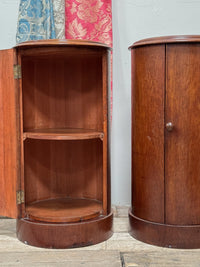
x: 64, y: 210
x: 63, y: 134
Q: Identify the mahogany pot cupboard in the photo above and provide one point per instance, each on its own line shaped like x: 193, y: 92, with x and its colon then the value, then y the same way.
x: 166, y: 141
x: 54, y: 142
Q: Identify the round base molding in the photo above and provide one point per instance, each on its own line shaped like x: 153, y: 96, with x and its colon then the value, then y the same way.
x: 65, y: 235
x: 164, y: 235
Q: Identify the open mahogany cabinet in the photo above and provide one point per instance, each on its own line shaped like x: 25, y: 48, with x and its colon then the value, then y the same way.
x: 54, y: 134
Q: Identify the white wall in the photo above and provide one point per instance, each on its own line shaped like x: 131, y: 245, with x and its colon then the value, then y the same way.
x: 8, y: 22
x: 132, y: 21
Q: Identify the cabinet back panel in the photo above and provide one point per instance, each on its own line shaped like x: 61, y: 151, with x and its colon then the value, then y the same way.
x: 63, y: 169
x: 63, y: 91
x: 183, y: 143
x: 148, y: 132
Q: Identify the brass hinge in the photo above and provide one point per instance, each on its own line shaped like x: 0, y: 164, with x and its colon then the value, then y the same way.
x: 17, y: 72
x: 20, y: 197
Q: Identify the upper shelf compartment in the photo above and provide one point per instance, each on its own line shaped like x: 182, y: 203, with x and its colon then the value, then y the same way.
x: 62, y: 86
x: 63, y: 134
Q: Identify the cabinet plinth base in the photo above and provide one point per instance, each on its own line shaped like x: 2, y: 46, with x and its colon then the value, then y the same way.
x: 65, y: 235
x: 164, y: 235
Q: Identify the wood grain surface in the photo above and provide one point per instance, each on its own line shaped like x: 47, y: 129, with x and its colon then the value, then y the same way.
x: 167, y: 40
x: 63, y: 210
x: 65, y: 235
x: 60, y: 43
x: 63, y: 169
x: 166, y: 101
x: 182, y: 159
x: 148, y: 83
x: 63, y: 134
x: 165, y: 235
x: 9, y: 135
x: 63, y: 91
x: 54, y: 141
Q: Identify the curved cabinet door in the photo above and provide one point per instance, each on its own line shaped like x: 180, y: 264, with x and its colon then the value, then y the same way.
x: 9, y: 131
x: 148, y: 83
x: 182, y: 148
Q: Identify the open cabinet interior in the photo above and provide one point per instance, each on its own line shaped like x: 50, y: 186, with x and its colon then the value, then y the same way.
x: 63, y: 180
x: 62, y: 90
x: 54, y: 136
x: 62, y: 105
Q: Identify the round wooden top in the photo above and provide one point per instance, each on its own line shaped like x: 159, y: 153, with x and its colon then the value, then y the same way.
x: 167, y: 39
x: 61, y: 42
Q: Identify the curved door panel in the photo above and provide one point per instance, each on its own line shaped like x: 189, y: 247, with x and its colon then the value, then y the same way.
x: 182, y: 158
x: 148, y: 83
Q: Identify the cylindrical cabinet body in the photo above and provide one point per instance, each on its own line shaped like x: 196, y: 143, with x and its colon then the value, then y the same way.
x: 166, y: 141
x: 54, y: 142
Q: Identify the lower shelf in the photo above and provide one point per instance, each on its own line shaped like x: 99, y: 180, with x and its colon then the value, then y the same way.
x: 64, y: 210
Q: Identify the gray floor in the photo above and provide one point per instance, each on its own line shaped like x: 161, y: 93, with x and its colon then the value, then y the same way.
x: 120, y: 250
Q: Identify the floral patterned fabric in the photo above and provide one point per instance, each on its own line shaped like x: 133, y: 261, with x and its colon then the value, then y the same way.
x: 59, y: 18
x: 36, y: 20
x: 89, y: 20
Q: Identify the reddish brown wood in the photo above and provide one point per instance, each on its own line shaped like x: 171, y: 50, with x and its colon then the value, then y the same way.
x: 183, y: 143
x: 42, y: 52
x: 63, y: 210
x: 9, y: 135
x: 21, y: 207
x: 61, y: 235
x: 148, y: 132
x: 63, y: 168
x: 63, y: 91
x: 59, y: 151
x: 60, y: 43
x: 164, y: 235
x: 106, y: 176
x: 63, y: 134
x: 167, y: 40
x: 176, y: 103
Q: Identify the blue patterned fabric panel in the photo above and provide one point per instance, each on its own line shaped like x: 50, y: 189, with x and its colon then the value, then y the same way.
x: 36, y: 21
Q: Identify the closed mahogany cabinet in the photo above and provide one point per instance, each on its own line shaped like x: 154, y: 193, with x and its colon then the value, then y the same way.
x: 54, y: 142
x: 166, y: 141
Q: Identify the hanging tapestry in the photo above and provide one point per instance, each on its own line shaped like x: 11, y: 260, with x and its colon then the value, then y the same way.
x: 36, y: 20
x: 89, y: 19
x: 59, y: 18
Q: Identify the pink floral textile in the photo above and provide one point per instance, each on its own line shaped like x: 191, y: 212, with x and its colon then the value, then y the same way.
x: 89, y: 20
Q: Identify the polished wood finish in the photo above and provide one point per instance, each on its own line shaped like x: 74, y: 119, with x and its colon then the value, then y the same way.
x: 148, y: 132
x: 166, y: 142
x: 63, y: 210
x: 62, y: 154
x: 106, y: 171
x: 61, y: 235
x: 164, y: 235
x: 63, y: 134
x: 63, y: 91
x: 182, y: 162
x: 55, y: 169
x: 9, y: 135
x: 167, y: 40
x: 60, y: 43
